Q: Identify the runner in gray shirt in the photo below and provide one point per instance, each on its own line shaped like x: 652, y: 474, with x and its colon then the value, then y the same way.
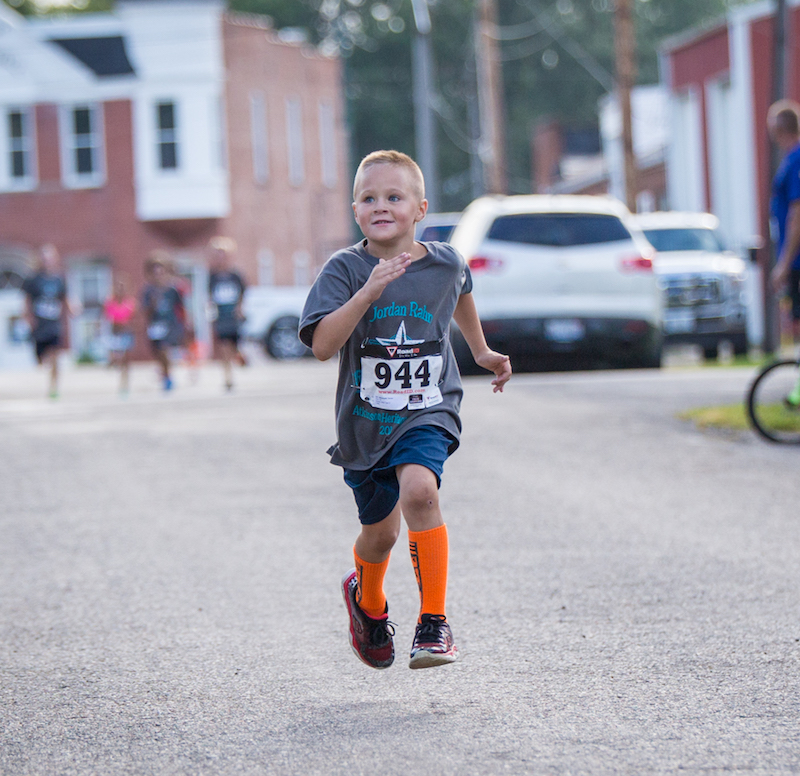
x: 397, y: 370
x: 385, y: 307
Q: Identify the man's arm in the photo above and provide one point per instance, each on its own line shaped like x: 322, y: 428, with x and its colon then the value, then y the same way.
x: 333, y: 331
x: 466, y: 316
x: 791, y: 247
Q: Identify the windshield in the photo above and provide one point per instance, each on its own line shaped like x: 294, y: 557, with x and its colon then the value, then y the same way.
x: 685, y: 240
x: 438, y: 233
x: 558, y: 229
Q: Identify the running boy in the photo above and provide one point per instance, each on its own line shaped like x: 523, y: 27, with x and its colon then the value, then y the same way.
x: 385, y: 306
x: 226, y: 291
x: 45, y: 302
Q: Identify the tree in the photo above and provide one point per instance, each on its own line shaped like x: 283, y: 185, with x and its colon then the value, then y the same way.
x: 44, y: 8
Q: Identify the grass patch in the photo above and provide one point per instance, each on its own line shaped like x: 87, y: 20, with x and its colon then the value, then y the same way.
x: 743, y: 360
x: 731, y: 417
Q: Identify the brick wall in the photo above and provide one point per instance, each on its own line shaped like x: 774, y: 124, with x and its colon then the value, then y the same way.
x: 276, y: 215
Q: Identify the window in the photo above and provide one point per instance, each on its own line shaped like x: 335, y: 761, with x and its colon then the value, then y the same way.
x: 167, y: 136
x: 558, y: 229
x: 18, y: 139
x: 686, y: 239
x: 302, y: 267
x: 258, y: 137
x: 82, y: 135
x: 18, y: 149
x: 294, y: 133
x: 266, y: 267
x: 327, y: 139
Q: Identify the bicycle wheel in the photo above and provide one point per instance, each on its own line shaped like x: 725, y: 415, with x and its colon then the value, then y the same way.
x: 771, y: 414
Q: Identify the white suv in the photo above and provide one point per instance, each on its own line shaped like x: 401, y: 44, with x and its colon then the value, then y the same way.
x: 704, y: 284
x: 561, y: 281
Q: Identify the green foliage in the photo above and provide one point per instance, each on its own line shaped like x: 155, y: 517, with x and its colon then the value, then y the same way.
x: 44, y: 8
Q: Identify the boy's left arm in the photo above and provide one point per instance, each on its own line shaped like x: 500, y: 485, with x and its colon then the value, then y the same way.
x: 466, y: 316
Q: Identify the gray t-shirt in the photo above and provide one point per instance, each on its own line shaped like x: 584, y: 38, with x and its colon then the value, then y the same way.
x: 397, y: 370
x: 47, y: 294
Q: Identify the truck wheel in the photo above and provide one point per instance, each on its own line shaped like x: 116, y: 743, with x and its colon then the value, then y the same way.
x: 282, y: 342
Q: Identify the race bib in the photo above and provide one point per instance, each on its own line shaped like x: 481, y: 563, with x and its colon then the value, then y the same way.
x: 45, y: 307
x: 226, y: 293
x: 400, y: 377
x: 157, y: 330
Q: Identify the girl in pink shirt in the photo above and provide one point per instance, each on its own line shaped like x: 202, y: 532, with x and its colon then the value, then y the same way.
x: 119, y: 311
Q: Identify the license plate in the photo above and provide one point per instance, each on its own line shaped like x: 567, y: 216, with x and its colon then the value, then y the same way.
x: 564, y: 329
x: 679, y: 321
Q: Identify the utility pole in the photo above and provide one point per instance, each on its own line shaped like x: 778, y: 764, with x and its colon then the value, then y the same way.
x: 490, y: 99
x: 772, y: 329
x: 624, y: 46
x: 424, y: 86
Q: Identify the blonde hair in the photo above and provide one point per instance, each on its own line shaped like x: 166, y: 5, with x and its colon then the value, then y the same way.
x: 220, y: 243
x: 785, y: 116
x: 157, y: 258
x: 397, y: 158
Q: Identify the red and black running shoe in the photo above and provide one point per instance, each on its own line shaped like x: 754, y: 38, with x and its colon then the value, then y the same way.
x: 370, y: 638
x: 433, y: 643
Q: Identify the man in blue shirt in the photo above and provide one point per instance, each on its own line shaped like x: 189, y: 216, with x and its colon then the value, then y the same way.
x: 783, y: 122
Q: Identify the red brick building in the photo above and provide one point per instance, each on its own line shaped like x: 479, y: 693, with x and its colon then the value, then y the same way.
x: 159, y: 126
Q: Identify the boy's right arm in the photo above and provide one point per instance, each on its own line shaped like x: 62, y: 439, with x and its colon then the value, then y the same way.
x: 333, y: 331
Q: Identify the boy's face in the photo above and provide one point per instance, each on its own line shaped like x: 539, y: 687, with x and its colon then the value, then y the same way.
x: 387, y: 206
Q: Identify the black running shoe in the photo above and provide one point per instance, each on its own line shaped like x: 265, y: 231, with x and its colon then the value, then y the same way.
x: 433, y: 643
x: 370, y: 638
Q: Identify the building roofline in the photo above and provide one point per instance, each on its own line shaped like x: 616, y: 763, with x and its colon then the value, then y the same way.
x: 9, y: 17
x: 258, y: 21
x: 694, y: 35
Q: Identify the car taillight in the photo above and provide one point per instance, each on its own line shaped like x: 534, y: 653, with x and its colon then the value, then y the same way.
x: 636, y: 264
x: 485, y: 264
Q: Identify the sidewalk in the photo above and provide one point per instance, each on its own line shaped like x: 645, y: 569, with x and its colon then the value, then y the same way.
x: 98, y: 382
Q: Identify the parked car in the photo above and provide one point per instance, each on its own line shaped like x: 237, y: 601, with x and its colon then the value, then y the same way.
x: 272, y: 316
x: 702, y: 281
x: 561, y: 280
x: 437, y: 227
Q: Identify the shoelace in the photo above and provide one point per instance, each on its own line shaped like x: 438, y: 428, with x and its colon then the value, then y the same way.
x: 381, y: 633
x: 430, y: 629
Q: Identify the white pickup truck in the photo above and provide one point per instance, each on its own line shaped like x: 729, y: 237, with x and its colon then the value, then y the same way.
x: 272, y: 315
x: 703, y: 283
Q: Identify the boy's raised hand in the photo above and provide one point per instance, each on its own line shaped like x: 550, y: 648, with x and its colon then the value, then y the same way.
x: 384, y: 272
x: 497, y: 363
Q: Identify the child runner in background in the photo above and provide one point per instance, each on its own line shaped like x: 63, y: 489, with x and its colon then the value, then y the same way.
x: 45, y: 302
x: 385, y: 306
x: 163, y: 309
x: 226, y: 290
x: 119, y: 310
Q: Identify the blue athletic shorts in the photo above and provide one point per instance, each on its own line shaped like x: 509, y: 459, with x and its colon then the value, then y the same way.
x: 377, y: 490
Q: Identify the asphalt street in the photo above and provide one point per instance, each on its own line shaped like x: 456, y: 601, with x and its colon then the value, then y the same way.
x: 623, y: 587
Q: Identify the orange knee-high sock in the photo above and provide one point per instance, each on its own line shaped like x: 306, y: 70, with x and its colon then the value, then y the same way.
x: 370, y: 595
x: 429, y: 553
